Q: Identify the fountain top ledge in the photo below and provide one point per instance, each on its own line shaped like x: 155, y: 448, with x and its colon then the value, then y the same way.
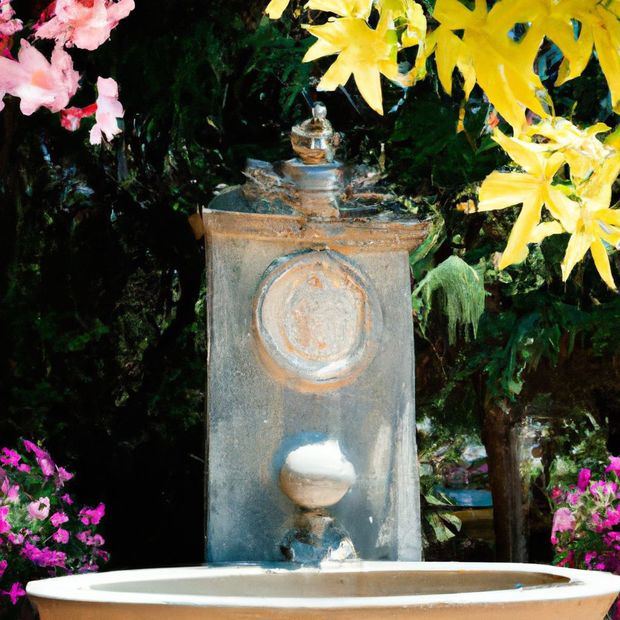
x: 313, y: 199
x: 351, y: 585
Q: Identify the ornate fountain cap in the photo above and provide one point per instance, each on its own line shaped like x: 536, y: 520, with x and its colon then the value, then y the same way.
x: 315, y: 141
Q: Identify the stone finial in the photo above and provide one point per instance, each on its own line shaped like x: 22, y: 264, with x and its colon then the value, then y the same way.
x: 315, y: 141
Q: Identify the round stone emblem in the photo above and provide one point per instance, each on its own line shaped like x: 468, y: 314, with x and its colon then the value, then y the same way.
x: 317, y: 319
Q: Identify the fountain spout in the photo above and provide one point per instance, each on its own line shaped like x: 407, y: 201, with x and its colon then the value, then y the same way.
x: 315, y: 477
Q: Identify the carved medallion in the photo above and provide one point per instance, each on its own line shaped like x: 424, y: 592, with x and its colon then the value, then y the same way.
x: 317, y: 319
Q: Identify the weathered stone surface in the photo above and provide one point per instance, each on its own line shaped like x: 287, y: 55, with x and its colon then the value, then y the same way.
x: 257, y: 415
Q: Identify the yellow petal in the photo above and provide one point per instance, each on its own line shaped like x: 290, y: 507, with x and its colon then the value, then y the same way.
x: 601, y: 261
x: 337, y: 75
x: 577, y: 52
x: 275, y: 8
x: 506, y: 189
x: 609, y: 216
x: 521, y: 234
x: 449, y: 48
x: 562, y: 208
x: 319, y: 49
x: 546, y: 229
x: 455, y: 15
x: 607, y: 43
x: 529, y: 155
x: 575, y: 250
x: 368, y: 80
x: 345, y: 8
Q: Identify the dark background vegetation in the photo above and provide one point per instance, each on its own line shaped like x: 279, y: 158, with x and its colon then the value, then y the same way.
x: 102, y: 342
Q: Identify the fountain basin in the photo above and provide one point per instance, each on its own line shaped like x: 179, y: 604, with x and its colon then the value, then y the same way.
x: 373, y: 590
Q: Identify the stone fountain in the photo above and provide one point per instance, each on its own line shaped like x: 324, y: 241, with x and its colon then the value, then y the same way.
x: 312, y: 491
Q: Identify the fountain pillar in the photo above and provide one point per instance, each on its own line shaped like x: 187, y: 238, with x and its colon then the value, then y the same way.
x: 310, y: 340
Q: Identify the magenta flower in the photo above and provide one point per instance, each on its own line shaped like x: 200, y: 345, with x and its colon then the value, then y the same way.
x: 5, y: 526
x: 89, y: 540
x: 15, y: 593
x: 16, y: 539
x: 3, y: 566
x: 46, y: 558
x: 584, y: 479
x: 63, y: 475
x: 61, y: 536
x: 67, y: 499
x: 58, y: 518
x: 10, y: 458
x: 92, y: 516
x: 43, y: 458
x: 39, y: 509
x: 603, y: 489
x: 614, y: 465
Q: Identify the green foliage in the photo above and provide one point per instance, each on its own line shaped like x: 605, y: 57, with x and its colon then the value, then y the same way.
x: 459, y: 293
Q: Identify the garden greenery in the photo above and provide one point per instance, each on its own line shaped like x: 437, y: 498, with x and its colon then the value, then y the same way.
x: 497, y: 48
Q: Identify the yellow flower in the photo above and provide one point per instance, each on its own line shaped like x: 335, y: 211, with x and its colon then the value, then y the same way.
x: 345, y: 8
x: 363, y: 52
x: 502, y: 67
x: 532, y: 188
x: 600, y: 28
x: 581, y: 209
x: 591, y: 228
x: 584, y: 152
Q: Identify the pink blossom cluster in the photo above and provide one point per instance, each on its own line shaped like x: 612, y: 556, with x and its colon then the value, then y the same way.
x: 42, y: 533
x: 586, y: 522
x: 39, y: 82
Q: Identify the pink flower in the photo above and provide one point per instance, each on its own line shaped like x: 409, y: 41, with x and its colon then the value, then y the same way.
x: 92, y: 516
x: 10, y: 458
x: 3, y: 565
x: 16, y: 539
x: 39, y: 509
x: 44, y: 557
x: 67, y: 499
x: 43, y: 458
x: 61, y: 536
x: 584, y: 479
x: 84, y: 23
x: 109, y: 109
x: 8, y: 24
x: 574, y: 497
x: 602, y: 489
x: 10, y: 492
x: 15, y: 593
x: 563, y: 521
x: 614, y: 465
x: 63, y: 476
x: 58, y: 518
x: 39, y: 83
x: 5, y: 526
x: 90, y: 540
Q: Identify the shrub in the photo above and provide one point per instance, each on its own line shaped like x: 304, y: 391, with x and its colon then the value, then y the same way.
x: 42, y: 532
x: 586, y: 522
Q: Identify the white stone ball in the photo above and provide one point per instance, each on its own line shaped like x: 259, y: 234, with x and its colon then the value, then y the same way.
x: 316, y: 475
